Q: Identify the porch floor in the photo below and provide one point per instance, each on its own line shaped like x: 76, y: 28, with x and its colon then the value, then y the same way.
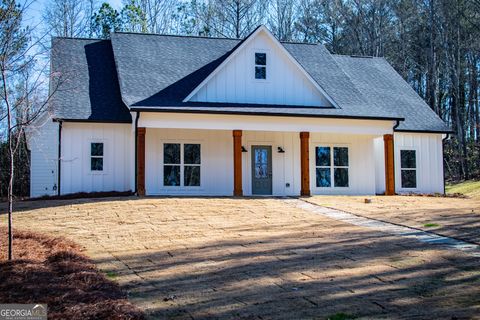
x: 201, y: 258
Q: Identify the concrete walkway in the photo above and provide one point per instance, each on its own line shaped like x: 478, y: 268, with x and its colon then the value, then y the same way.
x: 391, y: 228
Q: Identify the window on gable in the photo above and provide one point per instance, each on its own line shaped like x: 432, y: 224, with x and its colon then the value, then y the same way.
x: 408, y: 167
x: 331, y: 162
x: 260, y: 65
x: 96, y: 156
x: 181, y: 164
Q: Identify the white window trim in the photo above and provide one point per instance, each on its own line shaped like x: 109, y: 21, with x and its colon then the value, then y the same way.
x: 89, y: 153
x: 332, y: 166
x: 182, y: 165
x: 399, y: 175
x: 267, y: 64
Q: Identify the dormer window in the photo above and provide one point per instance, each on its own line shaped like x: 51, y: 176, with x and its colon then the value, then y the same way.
x: 260, y: 65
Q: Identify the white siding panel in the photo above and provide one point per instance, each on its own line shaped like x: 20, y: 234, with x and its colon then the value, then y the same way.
x: 43, y: 144
x: 285, y: 83
x: 379, y: 150
x: 429, y: 155
x: 362, y: 175
x: 118, y: 146
x: 216, y: 173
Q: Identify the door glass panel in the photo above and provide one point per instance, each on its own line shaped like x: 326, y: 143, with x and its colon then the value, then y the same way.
x: 261, y: 171
x: 323, y: 177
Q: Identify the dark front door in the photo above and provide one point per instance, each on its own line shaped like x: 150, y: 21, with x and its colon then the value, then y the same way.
x: 261, y: 170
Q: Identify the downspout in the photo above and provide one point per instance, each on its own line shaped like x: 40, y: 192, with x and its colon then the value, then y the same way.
x: 59, y: 169
x: 394, y: 170
x: 137, y: 116
x: 443, y: 162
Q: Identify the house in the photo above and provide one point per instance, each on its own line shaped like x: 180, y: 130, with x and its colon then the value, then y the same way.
x: 182, y: 115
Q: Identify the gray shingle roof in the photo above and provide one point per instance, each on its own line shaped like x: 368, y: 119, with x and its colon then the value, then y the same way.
x: 156, y: 72
x: 380, y: 84
x: 88, y: 85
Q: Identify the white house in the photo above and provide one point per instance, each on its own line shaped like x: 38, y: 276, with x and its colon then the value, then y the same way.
x: 181, y: 115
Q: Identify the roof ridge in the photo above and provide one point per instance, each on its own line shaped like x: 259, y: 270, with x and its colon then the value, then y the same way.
x: 175, y: 35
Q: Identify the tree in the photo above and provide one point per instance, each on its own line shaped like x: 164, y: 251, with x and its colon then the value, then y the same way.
x: 69, y: 18
x: 21, y: 95
x: 133, y: 17
x: 106, y: 20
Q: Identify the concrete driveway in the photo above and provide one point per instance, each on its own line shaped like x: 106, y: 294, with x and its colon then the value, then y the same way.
x: 209, y: 258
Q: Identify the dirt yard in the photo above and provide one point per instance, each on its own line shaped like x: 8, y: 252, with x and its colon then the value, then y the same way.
x: 54, y: 271
x: 223, y: 258
x: 453, y: 217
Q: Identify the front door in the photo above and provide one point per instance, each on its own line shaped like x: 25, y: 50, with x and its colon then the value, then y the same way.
x: 262, y: 170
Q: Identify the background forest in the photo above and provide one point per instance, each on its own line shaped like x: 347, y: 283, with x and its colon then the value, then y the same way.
x: 433, y: 44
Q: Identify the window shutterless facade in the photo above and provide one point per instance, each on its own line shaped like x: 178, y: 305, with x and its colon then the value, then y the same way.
x: 331, y: 167
x: 181, y: 164
x: 408, y: 168
x: 96, y: 156
x: 260, y: 65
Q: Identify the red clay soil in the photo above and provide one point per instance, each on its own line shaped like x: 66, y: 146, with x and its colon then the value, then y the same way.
x: 54, y: 271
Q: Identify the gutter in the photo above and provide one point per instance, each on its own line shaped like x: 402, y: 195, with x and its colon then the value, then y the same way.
x: 270, y: 114
x: 59, y: 168
x: 137, y: 116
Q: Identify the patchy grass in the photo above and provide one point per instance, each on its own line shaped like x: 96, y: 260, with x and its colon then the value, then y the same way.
x: 111, y: 275
x: 431, y: 225
x: 469, y: 188
x: 341, y: 316
x: 54, y: 271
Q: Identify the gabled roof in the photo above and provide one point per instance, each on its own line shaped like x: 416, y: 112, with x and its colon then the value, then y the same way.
x: 157, y: 73
x: 244, y: 43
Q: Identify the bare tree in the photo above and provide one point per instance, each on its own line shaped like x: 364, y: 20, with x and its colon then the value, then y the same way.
x: 69, y: 18
x: 23, y: 83
x: 282, y: 18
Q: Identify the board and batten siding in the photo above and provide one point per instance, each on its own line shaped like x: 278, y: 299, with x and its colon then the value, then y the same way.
x: 216, y: 167
x: 361, y: 163
x: 43, y: 145
x: 118, y: 163
x: 429, y: 159
x: 285, y: 83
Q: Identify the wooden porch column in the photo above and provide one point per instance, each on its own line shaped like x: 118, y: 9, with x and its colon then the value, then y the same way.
x: 141, y: 161
x: 304, y: 162
x: 237, y: 163
x: 389, y: 165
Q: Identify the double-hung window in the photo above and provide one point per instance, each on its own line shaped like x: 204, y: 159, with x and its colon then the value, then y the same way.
x: 96, y: 156
x: 408, y: 168
x: 181, y: 164
x: 260, y: 65
x: 331, y: 162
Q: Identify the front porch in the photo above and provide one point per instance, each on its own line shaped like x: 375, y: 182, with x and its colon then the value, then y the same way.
x: 219, y: 155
